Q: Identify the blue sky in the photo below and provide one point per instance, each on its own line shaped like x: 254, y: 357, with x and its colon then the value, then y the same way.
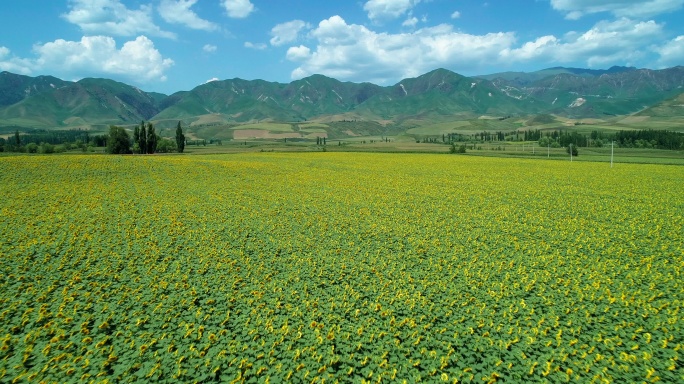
x: 173, y: 45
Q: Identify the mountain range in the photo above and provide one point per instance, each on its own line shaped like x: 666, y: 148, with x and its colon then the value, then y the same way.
x: 47, y: 102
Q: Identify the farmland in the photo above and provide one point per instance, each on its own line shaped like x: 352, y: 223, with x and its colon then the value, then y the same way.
x: 264, y: 267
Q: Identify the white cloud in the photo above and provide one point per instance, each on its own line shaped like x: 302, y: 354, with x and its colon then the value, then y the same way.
x: 379, y: 10
x: 212, y: 80
x: 300, y: 53
x: 257, y: 46
x: 456, y: 15
x: 112, y: 17
x: 356, y: 53
x: 209, y: 48
x: 353, y: 52
x: 238, y: 9
x: 287, y: 32
x: 410, y: 22
x: 137, y: 60
x: 672, y: 52
x: 640, y: 9
x: 13, y: 64
x: 179, y: 12
x: 607, y: 43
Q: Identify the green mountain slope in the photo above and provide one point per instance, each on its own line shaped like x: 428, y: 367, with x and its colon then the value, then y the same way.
x: 84, y: 103
x: 668, y: 108
x: 15, y: 88
x: 525, y: 78
x: 243, y: 100
x: 439, y: 95
x: 588, y: 94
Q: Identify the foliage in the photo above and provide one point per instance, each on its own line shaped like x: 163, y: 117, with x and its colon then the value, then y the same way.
x: 166, y: 146
x: 152, y: 139
x: 142, y: 138
x: 572, y: 148
x: 454, y: 149
x: 136, y: 140
x: 47, y: 148
x: 32, y: 148
x: 344, y: 267
x: 650, y: 139
x: 61, y: 140
x: 118, y: 141
x: 180, y: 138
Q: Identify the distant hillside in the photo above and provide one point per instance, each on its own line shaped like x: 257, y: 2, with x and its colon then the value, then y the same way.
x: 15, y: 88
x: 667, y: 108
x: 439, y: 95
x: 587, y: 94
x: 525, y: 78
x: 84, y: 103
x: 244, y: 100
x: 442, y: 93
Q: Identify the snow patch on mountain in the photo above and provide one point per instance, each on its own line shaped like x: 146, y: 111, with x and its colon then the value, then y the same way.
x: 578, y: 102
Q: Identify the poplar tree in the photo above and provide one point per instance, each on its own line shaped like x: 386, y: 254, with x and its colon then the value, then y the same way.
x: 152, y: 139
x: 136, y: 138
x: 180, y: 138
x: 143, y: 138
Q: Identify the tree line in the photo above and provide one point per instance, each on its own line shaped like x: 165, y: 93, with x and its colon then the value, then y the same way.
x: 44, y: 141
x: 145, y: 140
x: 657, y: 139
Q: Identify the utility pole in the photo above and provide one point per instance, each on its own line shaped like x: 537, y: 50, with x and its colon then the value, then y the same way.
x: 612, y: 144
x: 571, y: 152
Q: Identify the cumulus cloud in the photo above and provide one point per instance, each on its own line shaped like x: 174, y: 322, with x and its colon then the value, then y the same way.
x: 356, y: 53
x: 13, y: 64
x: 238, y: 9
x: 287, y: 32
x: 179, y: 12
x: 353, y: 52
x: 300, y: 53
x: 112, y: 17
x: 639, y: 9
x: 380, y: 10
x: 456, y: 15
x: 209, y: 48
x: 137, y: 60
x: 619, y: 41
x: 257, y: 46
x: 212, y: 80
x: 672, y: 52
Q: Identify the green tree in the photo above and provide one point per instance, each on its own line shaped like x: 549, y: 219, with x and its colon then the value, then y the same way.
x: 180, y: 138
x: 32, y: 148
x: 574, y: 149
x: 166, y: 146
x: 136, y: 140
x: 17, y: 139
x: 152, y: 139
x: 142, y: 143
x: 47, y: 148
x: 118, y: 141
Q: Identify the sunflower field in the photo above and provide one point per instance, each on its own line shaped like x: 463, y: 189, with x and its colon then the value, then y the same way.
x: 339, y: 267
